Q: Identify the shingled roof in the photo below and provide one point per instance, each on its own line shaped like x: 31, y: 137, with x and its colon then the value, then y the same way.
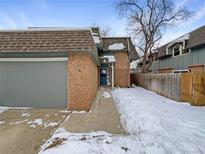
x: 47, y: 40
x: 109, y: 41
x: 196, y: 38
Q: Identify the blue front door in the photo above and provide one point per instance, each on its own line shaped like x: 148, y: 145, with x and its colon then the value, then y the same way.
x: 103, y: 76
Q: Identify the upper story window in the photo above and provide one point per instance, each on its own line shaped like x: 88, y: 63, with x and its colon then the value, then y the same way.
x: 178, y: 49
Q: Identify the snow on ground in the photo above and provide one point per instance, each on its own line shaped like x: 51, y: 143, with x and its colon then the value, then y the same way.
x: 106, y: 94
x: 161, y: 123
x: 50, y: 124
x: 2, y: 122
x: 25, y: 114
x: 155, y: 124
x: 34, y: 123
x: 2, y: 109
x: 79, y: 112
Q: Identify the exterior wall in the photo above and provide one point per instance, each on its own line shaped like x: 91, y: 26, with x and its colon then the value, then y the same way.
x: 82, y: 81
x: 195, y: 57
x: 122, y: 69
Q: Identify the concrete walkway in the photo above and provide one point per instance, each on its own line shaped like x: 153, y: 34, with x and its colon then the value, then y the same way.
x: 103, y: 116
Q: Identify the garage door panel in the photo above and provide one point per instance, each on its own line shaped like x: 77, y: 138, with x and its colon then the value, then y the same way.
x: 34, y: 84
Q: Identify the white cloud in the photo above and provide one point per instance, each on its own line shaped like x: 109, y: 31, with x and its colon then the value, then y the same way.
x: 25, y: 21
x: 181, y: 28
x: 182, y: 3
x: 199, y: 14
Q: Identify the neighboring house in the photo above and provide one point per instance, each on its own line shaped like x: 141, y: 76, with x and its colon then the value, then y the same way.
x: 59, y: 67
x: 187, y: 53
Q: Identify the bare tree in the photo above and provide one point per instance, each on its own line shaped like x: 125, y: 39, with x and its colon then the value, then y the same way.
x: 147, y: 19
x: 105, y: 30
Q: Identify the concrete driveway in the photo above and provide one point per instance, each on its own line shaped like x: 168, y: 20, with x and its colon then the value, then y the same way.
x: 23, y: 131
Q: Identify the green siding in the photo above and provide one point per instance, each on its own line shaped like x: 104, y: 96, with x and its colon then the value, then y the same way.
x: 196, y: 56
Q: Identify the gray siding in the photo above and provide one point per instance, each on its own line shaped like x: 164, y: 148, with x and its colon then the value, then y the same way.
x: 33, y: 84
x: 196, y: 56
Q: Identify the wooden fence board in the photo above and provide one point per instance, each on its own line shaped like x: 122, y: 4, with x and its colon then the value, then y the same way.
x: 187, y: 87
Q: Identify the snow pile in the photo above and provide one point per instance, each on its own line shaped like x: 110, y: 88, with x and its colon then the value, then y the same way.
x: 18, y: 122
x: 35, y: 122
x: 96, y: 38
x: 79, y: 112
x: 25, y: 114
x: 50, y: 124
x: 2, y: 109
x: 87, y: 143
x: 2, y: 122
x: 106, y: 94
x: 116, y: 46
x: 161, y: 124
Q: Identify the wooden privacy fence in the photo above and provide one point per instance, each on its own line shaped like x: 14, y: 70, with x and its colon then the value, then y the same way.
x: 186, y: 87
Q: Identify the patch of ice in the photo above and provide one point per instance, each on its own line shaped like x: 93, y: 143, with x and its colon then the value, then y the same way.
x: 68, y: 117
x: 116, y: 46
x: 2, y: 122
x: 66, y: 111
x: 18, y: 122
x: 106, y: 94
x: 25, y: 114
x: 35, y: 122
x: 79, y: 112
x: 50, y: 124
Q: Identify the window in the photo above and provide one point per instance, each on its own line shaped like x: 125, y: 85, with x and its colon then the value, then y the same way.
x: 186, y: 51
x: 177, y: 49
x: 181, y: 71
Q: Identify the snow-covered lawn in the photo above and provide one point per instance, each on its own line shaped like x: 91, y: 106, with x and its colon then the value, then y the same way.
x: 2, y: 109
x: 155, y: 125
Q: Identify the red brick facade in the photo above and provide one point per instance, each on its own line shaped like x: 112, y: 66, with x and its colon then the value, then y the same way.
x: 82, y: 81
x: 122, y: 69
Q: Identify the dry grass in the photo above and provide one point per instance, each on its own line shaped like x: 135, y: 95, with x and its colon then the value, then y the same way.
x: 57, y: 141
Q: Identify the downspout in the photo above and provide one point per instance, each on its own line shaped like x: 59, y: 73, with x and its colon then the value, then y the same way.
x: 112, y: 65
x: 128, y: 46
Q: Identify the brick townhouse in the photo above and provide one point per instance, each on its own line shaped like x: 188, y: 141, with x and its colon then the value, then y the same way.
x: 61, y: 67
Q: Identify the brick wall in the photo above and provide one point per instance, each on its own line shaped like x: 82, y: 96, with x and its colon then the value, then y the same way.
x: 122, y: 69
x: 82, y: 81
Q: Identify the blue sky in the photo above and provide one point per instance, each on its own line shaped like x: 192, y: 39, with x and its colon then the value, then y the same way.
x: 19, y: 14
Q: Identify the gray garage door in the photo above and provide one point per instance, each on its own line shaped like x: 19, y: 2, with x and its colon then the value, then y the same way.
x: 33, y: 84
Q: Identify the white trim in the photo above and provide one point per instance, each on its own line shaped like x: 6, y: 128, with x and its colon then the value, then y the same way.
x: 128, y: 45
x: 33, y: 59
x: 183, y: 70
